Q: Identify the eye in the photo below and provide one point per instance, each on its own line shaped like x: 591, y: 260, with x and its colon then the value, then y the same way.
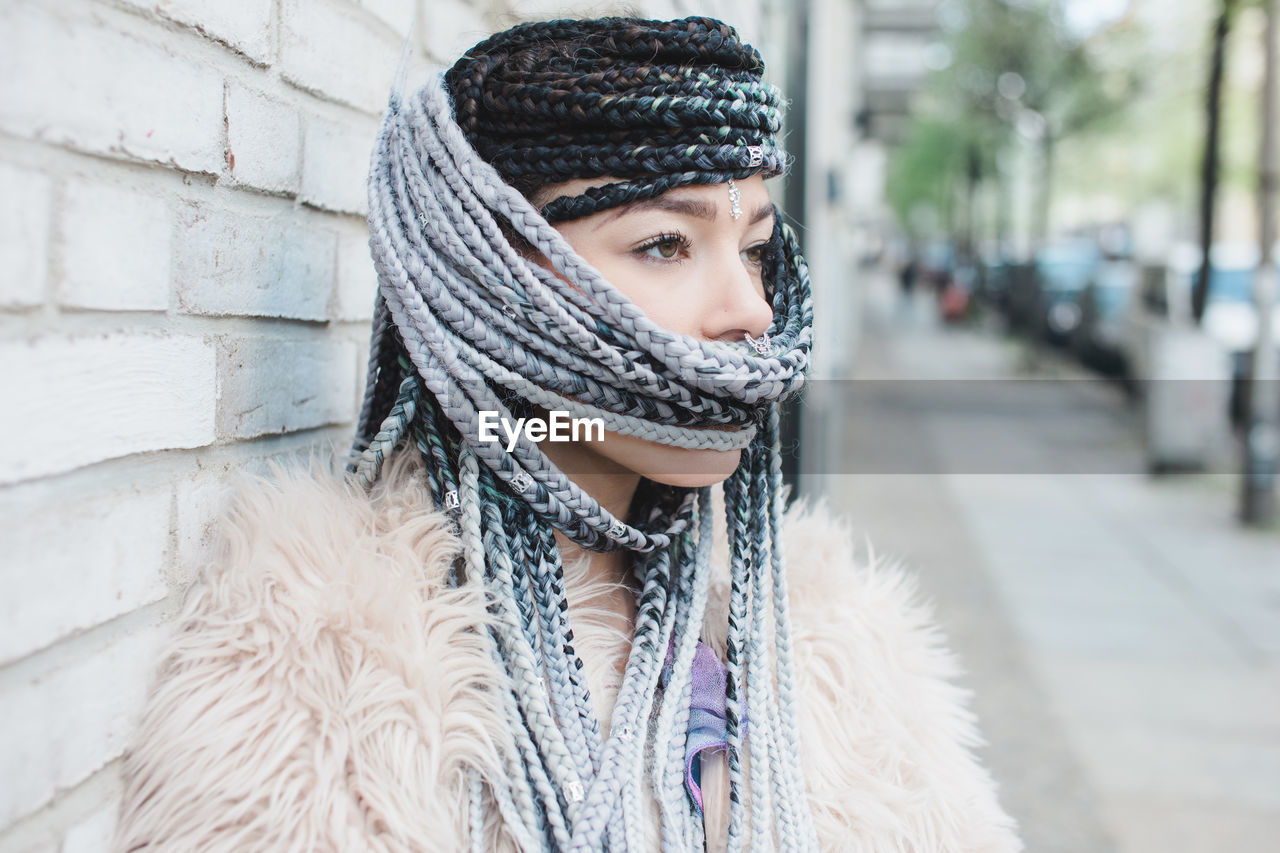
x: 756, y: 254
x: 664, y: 247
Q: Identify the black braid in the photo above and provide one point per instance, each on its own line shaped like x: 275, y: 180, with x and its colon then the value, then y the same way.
x: 652, y: 104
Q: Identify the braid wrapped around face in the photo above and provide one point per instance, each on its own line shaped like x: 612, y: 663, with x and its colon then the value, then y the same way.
x: 467, y: 322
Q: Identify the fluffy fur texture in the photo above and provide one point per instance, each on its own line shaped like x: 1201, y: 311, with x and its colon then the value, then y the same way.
x: 327, y: 691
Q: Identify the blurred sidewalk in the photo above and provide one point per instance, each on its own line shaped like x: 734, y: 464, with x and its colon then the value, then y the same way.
x: 1122, y: 634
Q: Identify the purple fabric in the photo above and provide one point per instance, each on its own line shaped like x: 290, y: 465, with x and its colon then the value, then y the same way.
x: 707, y: 713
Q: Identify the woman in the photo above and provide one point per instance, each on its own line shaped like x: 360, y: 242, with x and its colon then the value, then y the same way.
x: 515, y: 642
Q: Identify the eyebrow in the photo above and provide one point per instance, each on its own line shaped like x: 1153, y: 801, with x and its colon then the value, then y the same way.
x: 762, y: 213
x: 696, y: 208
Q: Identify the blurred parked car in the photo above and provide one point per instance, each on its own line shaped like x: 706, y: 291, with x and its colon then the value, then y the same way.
x: 1098, y: 339
x: 1162, y: 299
x: 1020, y: 296
x: 1231, y: 315
x: 996, y: 270
x: 1181, y: 373
x: 1062, y: 269
x: 993, y: 283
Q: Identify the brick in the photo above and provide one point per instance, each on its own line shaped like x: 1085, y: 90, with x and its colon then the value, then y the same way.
x: 229, y: 262
x: 93, y: 834
x: 242, y: 25
x: 116, y: 247
x: 56, y: 584
x: 397, y: 14
x: 335, y: 164
x: 74, y: 401
x: 449, y: 28
x: 275, y: 386
x: 200, y: 502
x: 357, y: 280
x: 34, y: 841
x: 77, y: 83
x: 65, y: 725
x: 332, y: 51
x: 24, y: 235
x: 263, y: 135
x: 39, y: 846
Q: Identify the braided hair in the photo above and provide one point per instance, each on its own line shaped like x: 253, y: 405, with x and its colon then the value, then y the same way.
x: 465, y: 321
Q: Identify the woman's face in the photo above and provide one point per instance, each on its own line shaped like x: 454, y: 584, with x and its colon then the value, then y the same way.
x: 693, y: 269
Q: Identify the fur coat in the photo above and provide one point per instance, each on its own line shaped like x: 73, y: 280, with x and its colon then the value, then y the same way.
x: 327, y: 691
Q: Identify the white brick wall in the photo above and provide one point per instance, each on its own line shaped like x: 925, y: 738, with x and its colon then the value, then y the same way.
x: 93, y: 834
x: 243, y: 25
x: 331, y: 49
x: 263, y: 138
x: 357, y: 280
x: 115, y: 249
x: 200, y: 499
x: 335, y: 163
x: 68, y: 80
x: 240, y: 261
x: 124, y: 537
x: 24, y: 235
x: 449, y: 27
x: 275, y: 386
x: 185, y: 291
x: 399, y: 15
x: 75, y: 401
x: 57, y: 731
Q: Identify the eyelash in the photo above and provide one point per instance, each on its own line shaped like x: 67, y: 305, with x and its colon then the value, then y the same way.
x: 682, y: 243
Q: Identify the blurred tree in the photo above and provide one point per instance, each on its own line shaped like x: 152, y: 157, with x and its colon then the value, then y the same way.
x: 1209, y: 161
x: 924, y: 174
x: 1210, y: 168
x: 1015, y: 69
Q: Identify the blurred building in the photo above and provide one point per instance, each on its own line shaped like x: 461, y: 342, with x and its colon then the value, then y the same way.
x: 899, y: 48
x: 854, y: 66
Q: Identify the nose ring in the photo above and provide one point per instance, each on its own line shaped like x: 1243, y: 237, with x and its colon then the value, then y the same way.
x: 761, y: 345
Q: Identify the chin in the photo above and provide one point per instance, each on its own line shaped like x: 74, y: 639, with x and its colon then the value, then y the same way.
x: 689, y: 469
x: 620, y: 454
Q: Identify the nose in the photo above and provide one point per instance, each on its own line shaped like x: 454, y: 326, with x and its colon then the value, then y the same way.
x: 737, y: 307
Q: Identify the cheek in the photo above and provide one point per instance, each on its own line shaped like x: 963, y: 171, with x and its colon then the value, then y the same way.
x: 677, y: 315
x: 668, y: 298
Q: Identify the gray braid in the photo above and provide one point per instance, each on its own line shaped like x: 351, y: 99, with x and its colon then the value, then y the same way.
x: 468, y: 323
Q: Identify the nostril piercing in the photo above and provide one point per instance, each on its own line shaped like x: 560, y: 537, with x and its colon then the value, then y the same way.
x: 762, y: 345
